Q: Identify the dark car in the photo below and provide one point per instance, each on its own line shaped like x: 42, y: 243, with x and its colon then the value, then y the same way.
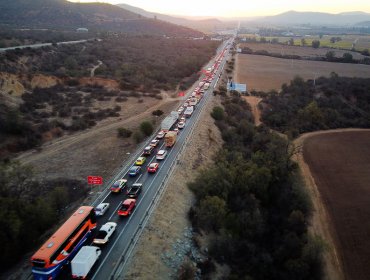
x: 135, y: 190
x: 134, y: 170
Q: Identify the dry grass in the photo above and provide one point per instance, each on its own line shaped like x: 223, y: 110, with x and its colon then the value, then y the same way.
x: 264, y: 73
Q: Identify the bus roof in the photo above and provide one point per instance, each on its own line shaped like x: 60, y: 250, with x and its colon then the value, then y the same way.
x: 53, y: 243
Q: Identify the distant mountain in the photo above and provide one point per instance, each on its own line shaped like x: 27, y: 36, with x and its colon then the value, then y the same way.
x: 61, y: 14
x: 314, y: 18
x: 203, y: 24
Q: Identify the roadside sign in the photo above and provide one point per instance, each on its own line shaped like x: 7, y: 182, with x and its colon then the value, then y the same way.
x: 94, y: 180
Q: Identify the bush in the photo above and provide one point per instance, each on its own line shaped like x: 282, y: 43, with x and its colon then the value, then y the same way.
x: 146, y: 128
x: 138, y: 136
x: 217, y: 113
x: 124, y: 133
x: 157, y: 113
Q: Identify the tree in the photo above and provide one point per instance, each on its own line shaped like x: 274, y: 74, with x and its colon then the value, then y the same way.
x: 347, y: 57
x: 217, y: 113
x: 303, y: 42
x: 123, y: 132
x: 291, y: 42
x: 315, y: 44
x: 263, y: 40
x: 146, y: 128
x: 330, y: 55
x: 157, y: 113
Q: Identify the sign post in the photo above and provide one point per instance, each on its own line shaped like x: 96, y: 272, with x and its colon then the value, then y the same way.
x: 94, y: 180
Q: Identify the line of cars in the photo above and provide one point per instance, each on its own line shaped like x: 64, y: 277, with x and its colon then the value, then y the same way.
x: 133, y: 192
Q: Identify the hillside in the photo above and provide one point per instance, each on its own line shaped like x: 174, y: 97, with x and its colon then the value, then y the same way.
x: 315, y: 18
x: 204, y: 25
x: 61, y: 14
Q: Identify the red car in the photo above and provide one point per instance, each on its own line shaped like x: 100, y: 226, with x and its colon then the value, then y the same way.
x: 153, y: 167
x: 127, y: 207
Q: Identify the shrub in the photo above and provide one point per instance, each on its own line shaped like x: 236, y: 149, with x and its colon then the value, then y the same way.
x: 157, y: 113
x: 146, y: 128
x: 124, y: 133
x: 217, y: 113
x: 138, y: 136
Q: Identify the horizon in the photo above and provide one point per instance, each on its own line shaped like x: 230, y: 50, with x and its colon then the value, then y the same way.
x: 237, y: 8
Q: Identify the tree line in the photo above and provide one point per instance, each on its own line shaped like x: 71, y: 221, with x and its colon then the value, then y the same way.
x: 30, y: 208
x: 326, y: 103
x: 253, y: 203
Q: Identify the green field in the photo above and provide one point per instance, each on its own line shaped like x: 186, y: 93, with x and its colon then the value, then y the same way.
x: 347, y: 42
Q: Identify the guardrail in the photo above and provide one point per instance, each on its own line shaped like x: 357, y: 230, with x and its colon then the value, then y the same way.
x: 118, y: 269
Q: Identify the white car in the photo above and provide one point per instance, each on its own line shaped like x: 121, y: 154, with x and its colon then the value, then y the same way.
x: 181, y: 125
x: 160, y: 135
x: 186, y: 104
x: 161, y: 154
x: 101, y: 209
x: 182, y: 119
x: 104, y: 233
x: 181, y: 109
x: 154, y: 142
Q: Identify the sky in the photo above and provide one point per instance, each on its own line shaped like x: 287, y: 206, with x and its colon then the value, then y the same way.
x: 241, y: 8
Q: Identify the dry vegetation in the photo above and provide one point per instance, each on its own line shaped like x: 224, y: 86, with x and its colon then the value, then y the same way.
x: 267, y: 73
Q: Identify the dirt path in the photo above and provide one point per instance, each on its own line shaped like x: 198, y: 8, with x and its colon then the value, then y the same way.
x: 321, y: 223
x: 92, y: 73
x: 254, y: 101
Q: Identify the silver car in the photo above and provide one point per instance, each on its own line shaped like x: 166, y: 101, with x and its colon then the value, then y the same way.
x: 101, y: 209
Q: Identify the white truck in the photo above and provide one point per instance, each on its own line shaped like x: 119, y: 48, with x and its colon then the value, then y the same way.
x: 84, y: 261
x: 169, y: 121
x: 189, y: 111
x: 206, y: 86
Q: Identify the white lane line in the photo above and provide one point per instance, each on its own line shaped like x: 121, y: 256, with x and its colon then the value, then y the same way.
x: 138, y: 178
x: 115, y: 210
x: 127, y: 223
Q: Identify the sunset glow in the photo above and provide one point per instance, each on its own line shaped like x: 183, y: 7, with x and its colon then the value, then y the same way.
x: 242, y: 8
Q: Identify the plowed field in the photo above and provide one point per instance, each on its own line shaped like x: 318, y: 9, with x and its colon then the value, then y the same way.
x: 340, y: 165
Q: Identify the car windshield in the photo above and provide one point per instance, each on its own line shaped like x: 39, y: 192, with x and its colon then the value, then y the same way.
x: 98, y: 209
x: 153, y: 165
x: 133, y: 169
x: 116, y: 184
x: 101, y: 234
x: 124, y: 207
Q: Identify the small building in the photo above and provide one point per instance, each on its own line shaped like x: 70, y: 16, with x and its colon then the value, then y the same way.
x: 82, y: 30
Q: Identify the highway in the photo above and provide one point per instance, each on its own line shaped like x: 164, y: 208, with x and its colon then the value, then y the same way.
x: 112, y: 262
x: 35, y: 46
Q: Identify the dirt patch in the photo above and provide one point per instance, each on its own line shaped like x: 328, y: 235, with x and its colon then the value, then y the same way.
x: 11, y: 85
x: 253, y: 102
x: 92, y: 81
x: 95, y: 151
x: 263, y: 73
x: 339, y: 186
x: 42, y: 81
x: 170, y: 220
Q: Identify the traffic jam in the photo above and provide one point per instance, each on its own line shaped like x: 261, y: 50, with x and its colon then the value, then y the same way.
x: 124, y: 195
x: 157, y: 149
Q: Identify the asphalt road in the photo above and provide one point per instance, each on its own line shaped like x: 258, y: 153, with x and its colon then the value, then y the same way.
x: 116, y: 252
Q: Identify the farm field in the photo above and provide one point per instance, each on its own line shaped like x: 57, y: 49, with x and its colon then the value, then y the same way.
x: 359, y: 42
x: 298, y: 50
x: 264, y: 73
x: 339, y: 163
